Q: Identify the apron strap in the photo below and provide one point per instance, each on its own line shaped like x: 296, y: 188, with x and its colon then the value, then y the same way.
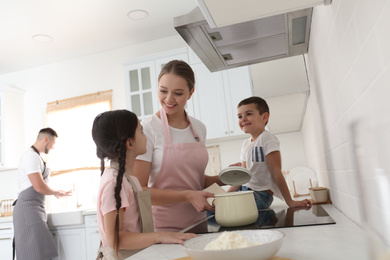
x: 167, y: 132
x: 144, y: 202
x: 44, y: 163
x: 13, y: 249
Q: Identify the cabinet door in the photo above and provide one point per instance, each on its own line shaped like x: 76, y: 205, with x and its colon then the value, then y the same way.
x: 92, y: 241
x: 6, y: 246
x: 238, y: 86
x: 70, y: 244
x: 209, y: 102
x: 141, y: 91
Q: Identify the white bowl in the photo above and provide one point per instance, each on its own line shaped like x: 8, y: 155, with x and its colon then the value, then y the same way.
x: 271, y: 241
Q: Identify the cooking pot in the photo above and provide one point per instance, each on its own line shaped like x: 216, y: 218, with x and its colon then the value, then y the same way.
x: 234, y: 209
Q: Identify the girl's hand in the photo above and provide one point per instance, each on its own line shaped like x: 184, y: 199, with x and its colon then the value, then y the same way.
x: 173, y: 237
x: 198, y: 199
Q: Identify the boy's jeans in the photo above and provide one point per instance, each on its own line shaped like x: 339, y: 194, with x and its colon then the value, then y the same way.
x: 262, y: 198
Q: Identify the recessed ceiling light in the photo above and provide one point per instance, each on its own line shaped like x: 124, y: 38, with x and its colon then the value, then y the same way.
x: 137, y: 14
x: 42, y: 38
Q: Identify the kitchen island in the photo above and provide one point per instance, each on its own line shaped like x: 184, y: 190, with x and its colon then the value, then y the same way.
x: 343, y: 240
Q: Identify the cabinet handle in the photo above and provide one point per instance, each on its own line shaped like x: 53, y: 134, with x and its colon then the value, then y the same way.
x: 97, y: 231
x: 8, y: 228
x: 226, y: 133
x: 6, y: 238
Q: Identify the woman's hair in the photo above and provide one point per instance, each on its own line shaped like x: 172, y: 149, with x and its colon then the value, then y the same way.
x: 110, y: 131
x: 179, y: 68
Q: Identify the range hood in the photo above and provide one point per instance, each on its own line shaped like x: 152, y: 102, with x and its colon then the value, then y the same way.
x: 268, y: 38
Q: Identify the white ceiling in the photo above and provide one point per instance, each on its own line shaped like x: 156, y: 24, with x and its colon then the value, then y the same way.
x: 82, y: 27
x: 79, y: 27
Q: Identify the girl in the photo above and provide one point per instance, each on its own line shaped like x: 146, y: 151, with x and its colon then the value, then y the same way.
x: 124, y: 210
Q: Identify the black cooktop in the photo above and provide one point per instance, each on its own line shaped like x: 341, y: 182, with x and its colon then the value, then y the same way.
x: 270, y: 218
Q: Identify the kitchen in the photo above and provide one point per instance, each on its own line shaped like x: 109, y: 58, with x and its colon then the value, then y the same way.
x: 348, y: 68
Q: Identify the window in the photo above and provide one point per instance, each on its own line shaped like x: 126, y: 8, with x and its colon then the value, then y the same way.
x: 72, y: 120
x: 73, y: 162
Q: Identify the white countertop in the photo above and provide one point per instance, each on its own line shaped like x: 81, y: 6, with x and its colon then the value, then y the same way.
x: 343, y: 240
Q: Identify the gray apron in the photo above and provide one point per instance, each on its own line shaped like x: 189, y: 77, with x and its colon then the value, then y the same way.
x: 145, y: 207
x: 33, y: 238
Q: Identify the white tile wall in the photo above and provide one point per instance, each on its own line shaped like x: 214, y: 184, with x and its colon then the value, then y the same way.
x: 348, y: 64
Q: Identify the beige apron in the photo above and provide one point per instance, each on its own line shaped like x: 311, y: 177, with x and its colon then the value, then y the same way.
x: 145, y: 207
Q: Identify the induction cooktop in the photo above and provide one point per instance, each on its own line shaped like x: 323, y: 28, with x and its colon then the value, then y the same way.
x: 270, y: 218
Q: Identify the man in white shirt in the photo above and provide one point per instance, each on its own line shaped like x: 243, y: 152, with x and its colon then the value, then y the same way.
x: 33, y: 239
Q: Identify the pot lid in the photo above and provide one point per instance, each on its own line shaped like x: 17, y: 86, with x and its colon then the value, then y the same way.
x: 235, y: 175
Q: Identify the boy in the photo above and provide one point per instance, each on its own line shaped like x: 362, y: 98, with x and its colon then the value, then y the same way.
x: 261, y: 155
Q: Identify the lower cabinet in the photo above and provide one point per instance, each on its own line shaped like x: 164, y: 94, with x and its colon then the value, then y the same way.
x: 70, y: 243
x: 92, y: 236
x: 6, y: 237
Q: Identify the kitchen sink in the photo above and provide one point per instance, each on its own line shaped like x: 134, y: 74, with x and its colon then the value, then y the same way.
x: 65, y: 218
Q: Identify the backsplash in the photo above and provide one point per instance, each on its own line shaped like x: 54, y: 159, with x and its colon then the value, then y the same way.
x: 349, y: 74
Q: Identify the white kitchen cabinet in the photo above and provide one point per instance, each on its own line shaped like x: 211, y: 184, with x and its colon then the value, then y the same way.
x: 70, y: 243
x: 6, y: 237
x: 209, y: 103
x: 1, y: 127
x: 217, y: 97
x: 11, y: 126
x: 238, y: 86
x: 92, y: 236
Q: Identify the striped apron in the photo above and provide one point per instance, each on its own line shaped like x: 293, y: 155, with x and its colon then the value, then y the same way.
x: 33, y: 238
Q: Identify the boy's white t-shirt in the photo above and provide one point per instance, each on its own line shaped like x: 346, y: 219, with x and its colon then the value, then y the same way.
x: 254, y: 154
x: 152, y: 128
x: 30, y: 163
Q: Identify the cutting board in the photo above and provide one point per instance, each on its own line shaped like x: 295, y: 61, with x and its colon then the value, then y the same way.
x: 215, y: 189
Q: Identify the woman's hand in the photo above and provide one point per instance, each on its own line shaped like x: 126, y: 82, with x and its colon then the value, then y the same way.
x: 173, y: 237
x: 198, y: 199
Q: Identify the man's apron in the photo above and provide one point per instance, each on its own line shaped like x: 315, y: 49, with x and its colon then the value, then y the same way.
x: 33, y: 238
x: 145, y: 207
x: 183, y: 167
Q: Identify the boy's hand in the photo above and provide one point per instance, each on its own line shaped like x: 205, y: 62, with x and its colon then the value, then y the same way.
x: 236, y: 164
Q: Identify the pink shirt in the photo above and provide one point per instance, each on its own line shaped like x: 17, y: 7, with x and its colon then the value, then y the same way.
x: 106, y: 203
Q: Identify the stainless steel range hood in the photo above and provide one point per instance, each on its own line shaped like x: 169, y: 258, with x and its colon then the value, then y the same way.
x: 246, y: 43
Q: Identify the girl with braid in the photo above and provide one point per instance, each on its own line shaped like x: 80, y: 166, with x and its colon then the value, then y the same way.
x: 124, y: 209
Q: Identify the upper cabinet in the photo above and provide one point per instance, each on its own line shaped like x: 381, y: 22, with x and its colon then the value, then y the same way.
x: 214, y: 101
x: 11, y: 126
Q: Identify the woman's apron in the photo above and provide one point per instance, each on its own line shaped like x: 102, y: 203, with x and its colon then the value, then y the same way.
x: 183, y: 166
x: 33, y: 238
x: 144, y: 205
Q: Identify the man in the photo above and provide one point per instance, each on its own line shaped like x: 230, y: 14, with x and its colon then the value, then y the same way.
x: 33, y: 239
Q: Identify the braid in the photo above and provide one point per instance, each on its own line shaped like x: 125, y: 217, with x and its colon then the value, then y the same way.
x: 110, y: 132
x: 118, y: 187
x: 101, y: 166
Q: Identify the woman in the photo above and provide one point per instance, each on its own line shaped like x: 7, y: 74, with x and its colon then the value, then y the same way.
x: 124, y: 210
x: 176, y: 158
